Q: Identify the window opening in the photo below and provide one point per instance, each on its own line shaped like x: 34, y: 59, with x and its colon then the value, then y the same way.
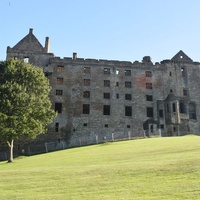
x: 106, y: 83
x: 106, y: 109
x: 59, y: 81
x: 127, y: 72
x: 59, y: 92
x: 86, y: 109
x: 149, y: 112
x: 149, y: 98
x: 128, y: 84
x: 86, y: 94
x: 128, y: 111
x: 106, y: 95
x: 58, y: 107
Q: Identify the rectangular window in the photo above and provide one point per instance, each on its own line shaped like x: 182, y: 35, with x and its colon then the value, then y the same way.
x: 183, y: 72
x: 117, y: 96
x: 128, y: 84
x: 106, y: 95
x: 87, y: 70
x: 117, y: 84
x: 149, y: 86
x: 86, y: 82
x: 85, y: 124
x: 149, y: 112
x: 59, y: 92
x: 128, y: 126
x: 127, y: 72
x: 58, y: 107
x: 117, y: 72
x: 128, y: 97
x: 59, y: 81
x: 160, y: 113
x: 106, y: 83
x: 106, y: 70
x: 106, y: 125
x: 86, y: 109
x: 162, y: 126
x: 149, y: 98
x: 60, y: 68
x: 185, y: 92
x: 86, y: 94
x: 106, y: 109
x: 148, y: 74
x: 128, y: 111
x: 56, y: 127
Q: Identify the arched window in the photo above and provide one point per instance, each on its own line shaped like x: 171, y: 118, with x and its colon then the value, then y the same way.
x: 192, y: 111
x: 182, y: 107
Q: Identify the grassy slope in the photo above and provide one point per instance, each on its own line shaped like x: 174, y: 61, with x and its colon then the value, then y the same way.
x: 155, y: 168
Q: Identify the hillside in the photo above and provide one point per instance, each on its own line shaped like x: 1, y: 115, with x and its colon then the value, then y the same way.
x: 152, y: 168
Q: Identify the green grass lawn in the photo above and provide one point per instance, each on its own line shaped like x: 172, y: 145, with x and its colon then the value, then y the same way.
x: 153, y: 168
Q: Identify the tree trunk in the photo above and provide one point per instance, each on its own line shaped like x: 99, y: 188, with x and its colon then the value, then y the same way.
x: 10, y: 144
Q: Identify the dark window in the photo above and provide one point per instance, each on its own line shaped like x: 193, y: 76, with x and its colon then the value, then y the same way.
x: 106, y: 83
x: 149, y: 112
x: 174, y: 129
x: 160, y: 113
x: 149, y: 97
x: 170, y: 73
x: 185, y: 92
x: 86, y: 94
x: 59, y: 81
x: 128, y: 96
x: 60, y: 68
x: 106, y: 70
x: 86, y: 82
x: 86, y: 70
x: 127, y: 72
x: 128, y: 111
x: 85, y: 124
x: 128, y: 84
x: 106, y: 109
x: 128, y: 126
x: 192, y: 111
x: 171, y: 91
x: 59, y: 92
x: 117, y: 84
x: 56, y: 127
x: 117, y: 96
x: 106, y: 125
x: 148, y: 74
x: 174, y: 107
x: 58, y: 107
x: 168, y: 107
x: 86, y: 109
x: 182, y: 107
x: 149, y: 86
x: 106, y: 95
x: 162, y: 126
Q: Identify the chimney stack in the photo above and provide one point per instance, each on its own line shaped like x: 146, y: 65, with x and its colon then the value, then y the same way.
x: 74, y: 56
x: 47, y: 45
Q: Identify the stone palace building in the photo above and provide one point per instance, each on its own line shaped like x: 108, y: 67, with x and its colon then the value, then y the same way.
x: 100, y: 99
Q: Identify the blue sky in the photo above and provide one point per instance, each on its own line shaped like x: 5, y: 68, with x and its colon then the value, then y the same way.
x: 105, y: 29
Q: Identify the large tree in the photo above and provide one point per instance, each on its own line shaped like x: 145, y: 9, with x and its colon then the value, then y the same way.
x: 25, y: 107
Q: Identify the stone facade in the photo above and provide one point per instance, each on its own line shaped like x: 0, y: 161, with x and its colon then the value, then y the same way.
x: 105, y: 98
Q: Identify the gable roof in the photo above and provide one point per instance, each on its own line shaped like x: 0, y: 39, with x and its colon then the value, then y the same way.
x: 181, y: 56
x: 29, y: 43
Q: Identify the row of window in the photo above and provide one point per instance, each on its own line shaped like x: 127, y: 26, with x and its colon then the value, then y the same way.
x: 106, y: 95
x: 87, y: 70
x: 106, y: 109
x: 86, y: 82
x: 85, y: 125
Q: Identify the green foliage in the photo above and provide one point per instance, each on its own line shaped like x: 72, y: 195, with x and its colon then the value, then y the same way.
x: 25, y: 107
x: 144, y: 169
